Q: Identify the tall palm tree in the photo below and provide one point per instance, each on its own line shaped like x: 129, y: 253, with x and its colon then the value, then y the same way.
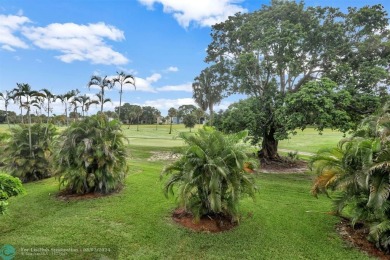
x: 123, y: 78
x: 85, y: 103
x: 49, y: 97
x: 89, y: 103
x: 102, y: 101
x: 75, y: 103
x: 102, y: 83
x: 172, y: 112
x: 31, y: 98
x: 138, y: 111
x: 17, y: 97
x: 65, y: 98
x: 208, y: 90
x: 7, y: 96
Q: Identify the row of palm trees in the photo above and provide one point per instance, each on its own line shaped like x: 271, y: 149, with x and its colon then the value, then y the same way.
x: 27, y: 98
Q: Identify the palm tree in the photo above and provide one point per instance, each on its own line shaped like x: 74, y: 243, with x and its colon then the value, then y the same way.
x: 17, y: 97
x: 89, y: 103
x: 65, y: 100
x: 85, y: 103
x: 23, y: 163
x: 208, y: 90
x: 92, y: 156
x: 123, y: 78
x: 172, y: 112
x: 49, y: 97
x: 210, y: 174
x: 102, y: 83
x: 138, y: 111
x: 102, y: 101
x: 75, y: 103
x: 7, y: 96
x: 31, y: 99
x: 360, y: 169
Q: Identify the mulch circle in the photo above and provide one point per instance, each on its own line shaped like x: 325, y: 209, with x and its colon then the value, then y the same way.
x: 357, y: 237
x: 284, y: 167
x: 207, y: 224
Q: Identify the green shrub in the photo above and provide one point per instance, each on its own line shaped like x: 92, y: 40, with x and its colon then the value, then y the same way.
x: 91, y: 156
x: 25, y: 162
x: 9, y: 187
x: 359, y: 168
x: 293, y: 156
x: 4, y: 137
x: 210, y: 175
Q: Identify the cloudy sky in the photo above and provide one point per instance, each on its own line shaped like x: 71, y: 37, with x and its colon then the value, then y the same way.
x: 58, y: 45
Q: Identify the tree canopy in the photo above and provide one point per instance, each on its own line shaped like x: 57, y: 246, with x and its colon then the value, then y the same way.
x: 274, y: 52
x: 208, y: 89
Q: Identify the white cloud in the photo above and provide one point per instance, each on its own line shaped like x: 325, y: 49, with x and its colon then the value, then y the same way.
x: 201, y: 12
x: 128, y: 71
x: 143, y: 84
x: 154, y: 77
x: 187, y: 87
x: 7, y: 47
x: 9, y: 26
x: 79, y: 42
x: 164, y: 104
x: 172, y: 69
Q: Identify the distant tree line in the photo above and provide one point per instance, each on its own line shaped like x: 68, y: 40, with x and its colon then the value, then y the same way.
x: 135, y: 114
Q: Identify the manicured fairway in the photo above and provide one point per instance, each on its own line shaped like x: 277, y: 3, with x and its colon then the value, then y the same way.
x: 311, y: 141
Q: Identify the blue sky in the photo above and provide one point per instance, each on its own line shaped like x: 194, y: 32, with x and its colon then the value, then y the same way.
x: 58, y: 45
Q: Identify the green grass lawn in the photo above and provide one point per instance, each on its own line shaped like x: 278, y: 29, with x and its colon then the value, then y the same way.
x: 311, y: 141
x: 150, y: 135
x: 285, y: 221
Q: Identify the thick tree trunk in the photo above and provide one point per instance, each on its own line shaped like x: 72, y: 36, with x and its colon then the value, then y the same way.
x: 269, y: 146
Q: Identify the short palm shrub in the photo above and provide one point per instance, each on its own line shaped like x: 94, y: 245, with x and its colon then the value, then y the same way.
x: 91, y: 156
x: 29, y: 161
x: 210, y: 175
x: 9, y: 187
x: 359, y: 169
x: 4, y: 137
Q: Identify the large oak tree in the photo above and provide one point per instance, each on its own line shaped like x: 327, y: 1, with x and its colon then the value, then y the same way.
x: 274, y: 52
